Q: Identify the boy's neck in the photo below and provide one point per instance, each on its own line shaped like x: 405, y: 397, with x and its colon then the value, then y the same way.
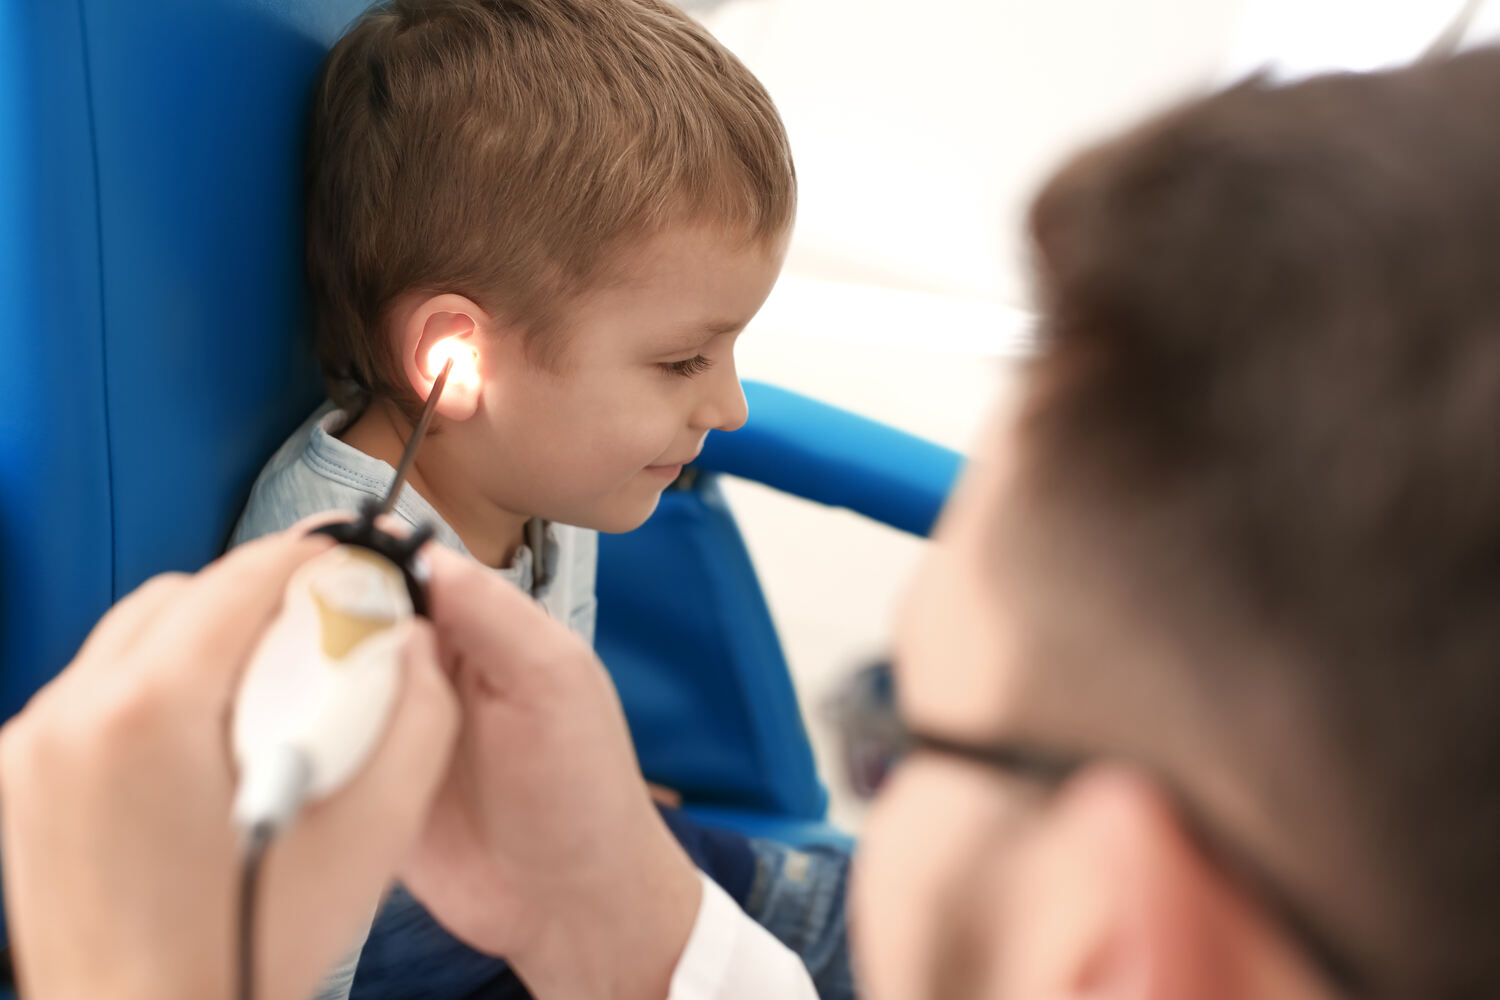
x: 491, y: 534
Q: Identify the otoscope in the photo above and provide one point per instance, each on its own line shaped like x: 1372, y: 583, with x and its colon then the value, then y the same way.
x: 320, y: 687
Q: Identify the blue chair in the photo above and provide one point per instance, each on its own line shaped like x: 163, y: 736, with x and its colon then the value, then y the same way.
x: 150, y: 284
x: 684, y: 627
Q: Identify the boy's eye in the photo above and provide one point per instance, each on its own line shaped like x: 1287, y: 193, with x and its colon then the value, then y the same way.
x: 689, y: 367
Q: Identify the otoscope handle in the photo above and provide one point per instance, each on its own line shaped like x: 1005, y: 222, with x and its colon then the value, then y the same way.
x: 319, y: 689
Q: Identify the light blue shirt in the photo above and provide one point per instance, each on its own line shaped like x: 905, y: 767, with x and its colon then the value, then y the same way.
x: 314, y: 471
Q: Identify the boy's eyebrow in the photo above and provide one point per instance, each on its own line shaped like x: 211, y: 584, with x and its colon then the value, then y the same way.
x: 698, y: 334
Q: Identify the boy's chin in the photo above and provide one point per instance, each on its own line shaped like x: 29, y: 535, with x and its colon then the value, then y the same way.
x: 622, y: 518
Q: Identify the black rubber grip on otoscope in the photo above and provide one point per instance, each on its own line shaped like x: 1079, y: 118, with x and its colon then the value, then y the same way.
x: 399, y: 552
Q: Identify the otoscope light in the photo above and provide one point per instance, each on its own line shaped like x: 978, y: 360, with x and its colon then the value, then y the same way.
x: 464, y: 357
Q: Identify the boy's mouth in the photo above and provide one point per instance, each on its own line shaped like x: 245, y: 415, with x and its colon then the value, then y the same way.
x: 679, y: 463
x: 670, y: 470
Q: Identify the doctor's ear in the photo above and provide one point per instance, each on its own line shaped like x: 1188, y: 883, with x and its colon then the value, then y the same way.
x: 434, y: 331
x: 1109, y: 898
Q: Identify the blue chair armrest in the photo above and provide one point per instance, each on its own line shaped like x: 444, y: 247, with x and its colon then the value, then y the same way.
x: 819, y: 452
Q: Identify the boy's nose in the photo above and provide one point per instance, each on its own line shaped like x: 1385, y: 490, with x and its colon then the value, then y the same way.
x: 723, y: 408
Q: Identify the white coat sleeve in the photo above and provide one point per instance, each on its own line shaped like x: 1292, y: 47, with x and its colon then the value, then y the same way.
x: 731, y: 957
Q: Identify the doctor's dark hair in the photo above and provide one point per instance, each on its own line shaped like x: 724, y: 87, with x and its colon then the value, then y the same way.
x: 1270, y: 372
x: 508, y: 151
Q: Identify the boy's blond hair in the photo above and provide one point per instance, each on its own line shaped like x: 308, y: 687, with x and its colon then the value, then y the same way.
x: 507, y: 150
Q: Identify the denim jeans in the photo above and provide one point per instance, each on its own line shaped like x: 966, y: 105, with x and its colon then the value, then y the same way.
x: 797, y: 894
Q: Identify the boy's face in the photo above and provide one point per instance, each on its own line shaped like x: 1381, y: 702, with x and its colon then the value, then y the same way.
x: 645, y: 370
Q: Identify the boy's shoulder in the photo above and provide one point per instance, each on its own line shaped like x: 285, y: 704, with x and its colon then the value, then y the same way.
x: 312, y: 472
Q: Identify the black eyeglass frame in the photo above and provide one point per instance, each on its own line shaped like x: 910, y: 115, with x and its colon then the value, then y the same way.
x: 866, y: 713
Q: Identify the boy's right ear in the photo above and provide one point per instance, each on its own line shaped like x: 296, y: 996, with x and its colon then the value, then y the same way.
x: 430, y: 330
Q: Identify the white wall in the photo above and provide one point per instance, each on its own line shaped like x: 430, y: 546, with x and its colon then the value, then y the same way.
x: 920, y: 131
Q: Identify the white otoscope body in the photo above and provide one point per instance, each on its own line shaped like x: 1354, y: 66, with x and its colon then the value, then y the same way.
x: 319, y: 689
x: 321, y: 685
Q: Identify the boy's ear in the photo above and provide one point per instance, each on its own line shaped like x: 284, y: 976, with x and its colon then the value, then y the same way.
x: 428, y: 333
x: 1112, y: 901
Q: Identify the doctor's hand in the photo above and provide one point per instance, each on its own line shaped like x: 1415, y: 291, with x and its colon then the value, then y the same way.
x: 543, y: 845
x: 120, y: 864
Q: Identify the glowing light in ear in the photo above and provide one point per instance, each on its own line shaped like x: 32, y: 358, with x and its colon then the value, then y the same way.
x: 465, y: 361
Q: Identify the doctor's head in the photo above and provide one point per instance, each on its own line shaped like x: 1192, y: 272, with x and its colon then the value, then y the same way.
x: 1201, y: 684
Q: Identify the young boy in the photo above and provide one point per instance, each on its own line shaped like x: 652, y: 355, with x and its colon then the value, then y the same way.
x: 595, y: 197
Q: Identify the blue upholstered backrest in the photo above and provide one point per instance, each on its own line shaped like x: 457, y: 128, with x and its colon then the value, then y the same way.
x: 151, y: 315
